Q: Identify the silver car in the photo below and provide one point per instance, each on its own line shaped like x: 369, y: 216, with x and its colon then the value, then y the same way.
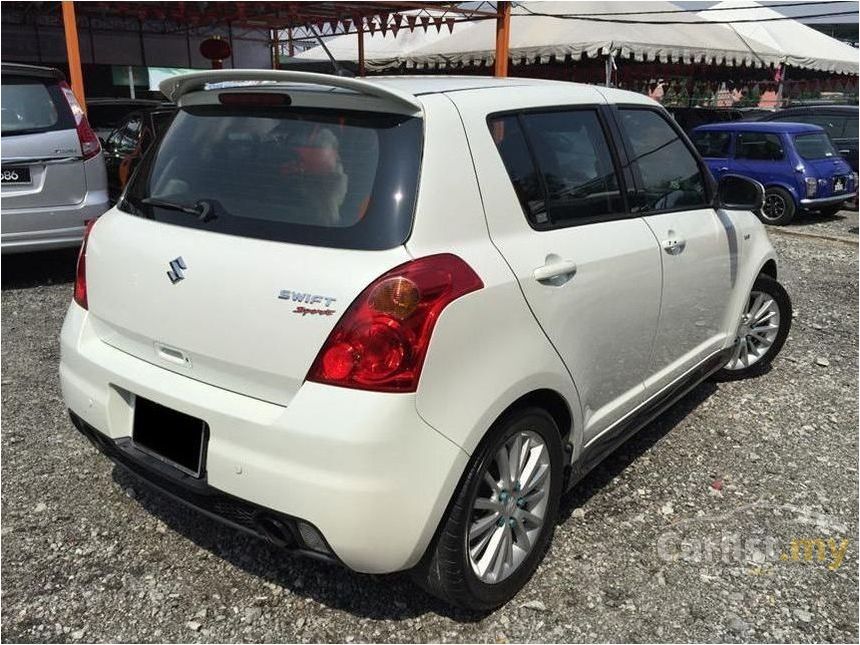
x: 53, y: 172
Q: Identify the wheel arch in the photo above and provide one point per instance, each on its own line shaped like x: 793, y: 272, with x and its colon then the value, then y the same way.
x: 551, y: 401
x: 789, y: 188
x: 769, y: 269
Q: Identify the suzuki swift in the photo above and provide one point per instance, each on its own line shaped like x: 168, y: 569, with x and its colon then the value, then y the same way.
x: 389, y: 322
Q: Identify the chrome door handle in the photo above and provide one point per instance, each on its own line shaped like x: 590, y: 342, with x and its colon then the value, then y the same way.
x: 674, y: 245
x: 555, y: 272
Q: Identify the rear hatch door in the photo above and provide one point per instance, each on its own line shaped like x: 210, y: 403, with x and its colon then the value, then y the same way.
x: 297, y: 211
x: 41, y: 162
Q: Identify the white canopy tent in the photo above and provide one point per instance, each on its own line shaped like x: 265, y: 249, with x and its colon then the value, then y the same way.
x: 798, y: 44
x: 535, y: 39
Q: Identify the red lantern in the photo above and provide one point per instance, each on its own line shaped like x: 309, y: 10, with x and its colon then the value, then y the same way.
x: 215, y: 49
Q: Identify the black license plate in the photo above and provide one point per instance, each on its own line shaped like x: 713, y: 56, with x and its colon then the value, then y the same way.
x: 838, y: 184
x: 173, y: 437
x: 13, y: 175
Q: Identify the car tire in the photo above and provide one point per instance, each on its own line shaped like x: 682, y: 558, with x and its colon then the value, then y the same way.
x: 778, y: 208
x: 757, y: 345
x: 451, y: 570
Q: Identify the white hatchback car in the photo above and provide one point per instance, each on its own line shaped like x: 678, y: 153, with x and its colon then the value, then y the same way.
x: 388, y: 322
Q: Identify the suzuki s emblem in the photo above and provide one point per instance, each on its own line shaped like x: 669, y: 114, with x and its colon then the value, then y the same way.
x: 176, y: 267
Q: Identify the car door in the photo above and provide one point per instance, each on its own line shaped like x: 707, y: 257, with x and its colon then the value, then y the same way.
x: 589, y: 271
x: 762, y: 156
x: 698, y: 248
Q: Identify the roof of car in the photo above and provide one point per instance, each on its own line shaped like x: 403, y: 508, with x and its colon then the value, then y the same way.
x: 109, y: 100
x: 418, y: 85
x: 32, y: 70
x: 760, y: 126
x: 402, y: 90
x: 817, y: 107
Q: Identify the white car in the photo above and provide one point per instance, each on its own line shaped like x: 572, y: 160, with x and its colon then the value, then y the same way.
x: 388, y: 322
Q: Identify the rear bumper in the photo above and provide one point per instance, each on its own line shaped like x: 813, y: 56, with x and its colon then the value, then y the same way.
x: 278, y: 528
x: 828, y: 201
x: 361, y: 467
x: 53, y: 227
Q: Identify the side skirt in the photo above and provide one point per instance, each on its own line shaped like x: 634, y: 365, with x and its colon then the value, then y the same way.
x: 597, y: 451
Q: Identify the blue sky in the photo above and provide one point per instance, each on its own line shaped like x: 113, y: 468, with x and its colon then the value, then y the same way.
x: 791, y: 11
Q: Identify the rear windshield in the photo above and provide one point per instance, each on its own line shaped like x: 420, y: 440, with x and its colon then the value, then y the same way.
x: 814, y: 146
x: 300, y: 175
x: 33, y: 105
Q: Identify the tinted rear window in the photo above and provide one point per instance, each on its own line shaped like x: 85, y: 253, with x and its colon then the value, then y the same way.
x: 814, y: 146
x: 33, y: 105
x: 307, y: 176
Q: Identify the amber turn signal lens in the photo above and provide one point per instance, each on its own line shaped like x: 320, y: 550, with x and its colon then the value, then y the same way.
x: 396, y: 297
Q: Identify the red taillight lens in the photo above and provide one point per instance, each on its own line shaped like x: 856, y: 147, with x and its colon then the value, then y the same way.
x: 90, y: 145
x: 81, y: 270
x: 382, y: 339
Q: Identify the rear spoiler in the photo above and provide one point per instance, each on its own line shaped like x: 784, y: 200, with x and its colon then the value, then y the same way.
x: 175, y: 87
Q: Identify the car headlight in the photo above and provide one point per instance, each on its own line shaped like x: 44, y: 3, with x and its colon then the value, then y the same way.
x: 811, y: 186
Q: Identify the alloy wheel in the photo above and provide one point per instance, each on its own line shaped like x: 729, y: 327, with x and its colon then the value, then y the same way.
x: 757, y: 332
x: 774, y: 206
x: 510, y: 506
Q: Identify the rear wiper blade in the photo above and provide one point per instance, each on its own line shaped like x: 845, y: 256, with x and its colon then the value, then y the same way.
x: 202, y: 210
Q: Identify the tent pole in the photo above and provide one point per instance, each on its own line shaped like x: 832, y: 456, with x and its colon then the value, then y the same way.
x: 780, y: 91
x: 359, y: 25
x: 73, y: 51
x: 503, y: 38
x: 607, y: 70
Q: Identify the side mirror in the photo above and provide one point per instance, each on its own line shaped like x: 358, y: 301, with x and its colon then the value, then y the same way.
x: 739, y: 193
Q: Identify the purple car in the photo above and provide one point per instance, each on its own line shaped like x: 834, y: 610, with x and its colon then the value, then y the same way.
x: 797, y: 164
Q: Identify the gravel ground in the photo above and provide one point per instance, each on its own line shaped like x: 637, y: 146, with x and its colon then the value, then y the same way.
x: 683, y: 535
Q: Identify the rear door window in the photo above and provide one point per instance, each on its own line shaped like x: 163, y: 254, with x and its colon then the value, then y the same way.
x: 31, y: 105
x: 561, y: 166
x: 669, y: 174
x: 301, y: 175
x: 759, y: 146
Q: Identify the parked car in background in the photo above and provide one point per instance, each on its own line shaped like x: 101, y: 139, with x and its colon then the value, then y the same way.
x: 105, y: 114
x: 128, y: 143
x: 53, y: 172
x: 691, y: 117
x: 276, y: 326
x: 839, y: 121
x: 797, y: 164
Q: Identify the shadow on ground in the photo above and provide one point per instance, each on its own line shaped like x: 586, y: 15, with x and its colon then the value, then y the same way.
x: 25, y: 270
x: 394, y: 596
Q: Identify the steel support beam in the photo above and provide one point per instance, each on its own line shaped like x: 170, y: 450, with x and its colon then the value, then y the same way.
x: 503, y: 38
x: 73, y: 51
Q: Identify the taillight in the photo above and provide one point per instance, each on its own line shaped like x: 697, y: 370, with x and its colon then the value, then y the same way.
x: 382, y: 339
x: 81, y: 270
x: 90, y: 145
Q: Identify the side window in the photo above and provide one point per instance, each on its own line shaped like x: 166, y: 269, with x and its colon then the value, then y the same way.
x: 712, y: 144
x: 576, y: 181
x: 669, y: 173
x: 759, y: 146
x: 850, y: 131
x: 518, y: 162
